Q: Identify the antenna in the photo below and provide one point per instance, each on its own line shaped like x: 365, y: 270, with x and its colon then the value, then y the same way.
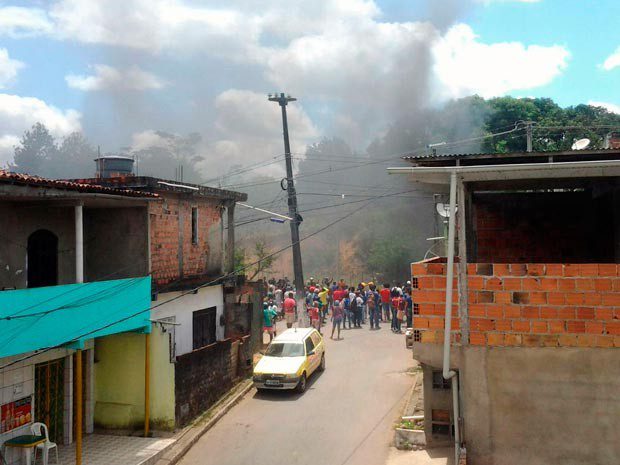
x: 444, y: 210
x: 581, y: 144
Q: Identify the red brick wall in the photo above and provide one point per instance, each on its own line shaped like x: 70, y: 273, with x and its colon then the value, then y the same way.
x: 428, y: 295
x: 536, y: 305
x: 530, y: 228
x: 164, y: 224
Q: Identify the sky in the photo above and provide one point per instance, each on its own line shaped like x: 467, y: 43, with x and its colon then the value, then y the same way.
x: 121, y: 70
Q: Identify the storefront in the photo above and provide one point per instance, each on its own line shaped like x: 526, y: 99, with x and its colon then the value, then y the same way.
x: 45, y: 333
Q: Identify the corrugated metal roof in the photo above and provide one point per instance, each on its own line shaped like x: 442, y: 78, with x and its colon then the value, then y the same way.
x: 38, y: 181
x: 426, y: 156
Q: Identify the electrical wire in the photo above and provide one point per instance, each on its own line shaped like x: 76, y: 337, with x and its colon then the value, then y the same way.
x: 191, y: 291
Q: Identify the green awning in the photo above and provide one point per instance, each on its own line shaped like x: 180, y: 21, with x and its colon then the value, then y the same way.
x: 46, y: 317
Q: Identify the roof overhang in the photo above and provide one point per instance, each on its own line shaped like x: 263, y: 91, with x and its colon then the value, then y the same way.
x: 553, y: 170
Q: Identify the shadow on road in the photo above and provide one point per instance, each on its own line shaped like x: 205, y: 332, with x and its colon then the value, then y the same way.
x: 276, y: 395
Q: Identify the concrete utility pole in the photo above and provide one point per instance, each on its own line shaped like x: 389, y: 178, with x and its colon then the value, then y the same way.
x: 292, y: 211
x: 528, y: 132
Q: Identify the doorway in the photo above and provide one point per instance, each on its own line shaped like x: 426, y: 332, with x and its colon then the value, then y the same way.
x: 42, y: 259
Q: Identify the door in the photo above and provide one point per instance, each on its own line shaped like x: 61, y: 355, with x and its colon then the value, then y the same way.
x: 318, y: 344
x: 203, y: 327
x: 49, y: 396
x: 313, y: 359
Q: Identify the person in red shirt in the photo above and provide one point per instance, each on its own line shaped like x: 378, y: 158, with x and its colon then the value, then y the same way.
x: 313, y: 312
x: 340, y: 294
x: 385, y: 302
x: 289, y: 310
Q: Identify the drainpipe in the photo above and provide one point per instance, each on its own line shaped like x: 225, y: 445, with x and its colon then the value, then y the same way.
x: 447, y: 373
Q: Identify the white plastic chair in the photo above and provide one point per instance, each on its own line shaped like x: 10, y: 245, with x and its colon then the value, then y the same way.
x: 40, y: 429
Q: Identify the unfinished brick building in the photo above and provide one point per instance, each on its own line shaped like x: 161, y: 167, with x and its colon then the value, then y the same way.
x: 533, y: 327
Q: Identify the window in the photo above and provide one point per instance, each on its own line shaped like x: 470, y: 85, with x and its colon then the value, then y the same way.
x: 203, y: 327
x: 316, y: 339
x: 309, y: 345
x: 285, y: 349
x: 42, y: 259
x: 194, y: 225
x: 439, y: 382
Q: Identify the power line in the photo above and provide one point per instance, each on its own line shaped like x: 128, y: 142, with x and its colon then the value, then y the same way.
x: 382, y: 160
x: 191, y: 291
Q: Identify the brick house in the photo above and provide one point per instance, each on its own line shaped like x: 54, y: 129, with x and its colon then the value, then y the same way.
x: 518, y: 327
x: 196, y: 336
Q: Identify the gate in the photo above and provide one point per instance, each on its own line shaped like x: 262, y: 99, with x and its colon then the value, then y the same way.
x: 49, y: 396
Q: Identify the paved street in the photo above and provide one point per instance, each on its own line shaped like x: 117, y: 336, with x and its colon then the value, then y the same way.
x: 345, y: 417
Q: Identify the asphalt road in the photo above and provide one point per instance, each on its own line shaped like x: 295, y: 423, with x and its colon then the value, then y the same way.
x: 344, y: 418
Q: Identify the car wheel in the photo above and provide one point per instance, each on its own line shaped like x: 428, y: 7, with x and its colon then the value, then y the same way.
x: 322, y: 365
x: 301, y: 386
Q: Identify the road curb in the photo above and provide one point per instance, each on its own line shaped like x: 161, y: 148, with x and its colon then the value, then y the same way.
x: 193, y: 433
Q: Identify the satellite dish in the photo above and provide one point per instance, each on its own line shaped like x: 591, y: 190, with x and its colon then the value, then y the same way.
x: 444, y: 209
x: 581, y: 144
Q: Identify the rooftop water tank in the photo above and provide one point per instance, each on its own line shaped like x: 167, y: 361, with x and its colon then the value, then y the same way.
x: 113, y: 166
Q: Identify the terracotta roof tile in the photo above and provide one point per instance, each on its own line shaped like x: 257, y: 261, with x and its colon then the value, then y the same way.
x: 38, y: 181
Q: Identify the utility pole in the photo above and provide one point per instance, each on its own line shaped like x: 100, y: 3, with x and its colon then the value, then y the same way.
x: 528, y: 132
x: 292, y: 211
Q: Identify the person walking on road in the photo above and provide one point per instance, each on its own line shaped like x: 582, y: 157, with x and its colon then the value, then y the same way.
x: 346, y: 308
x: 373, y: 312
x: 397, y: 312
x: 289, y: 310
x: 385, y: 302
x: 337, y: 314
x: 269, y: 316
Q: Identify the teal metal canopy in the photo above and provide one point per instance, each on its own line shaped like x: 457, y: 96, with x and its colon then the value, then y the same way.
x: 47, y: 317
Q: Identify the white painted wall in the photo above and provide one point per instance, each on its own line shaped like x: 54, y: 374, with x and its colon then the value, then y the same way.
x: 182, y: 310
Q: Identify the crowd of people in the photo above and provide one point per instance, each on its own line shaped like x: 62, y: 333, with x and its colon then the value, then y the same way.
x: 345, y: 306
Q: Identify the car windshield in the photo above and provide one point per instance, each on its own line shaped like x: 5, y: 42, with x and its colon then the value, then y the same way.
x: 285, y: 349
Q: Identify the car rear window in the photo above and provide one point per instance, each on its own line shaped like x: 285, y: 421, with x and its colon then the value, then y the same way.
x: 285, y: 349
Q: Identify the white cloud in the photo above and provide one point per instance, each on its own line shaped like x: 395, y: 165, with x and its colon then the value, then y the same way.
x: 17, y: 114
x: 7, y: 149
x: 247, y: 128
x: 612, y: 107
x: 464, y: 65
x: 24, y: 22
x: 8, y: 68
x: 612, y: 61
x: 107, y: 77
x: 259, y: 121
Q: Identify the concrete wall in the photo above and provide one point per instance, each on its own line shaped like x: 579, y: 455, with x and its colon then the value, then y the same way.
x: 182, y: 310
x: 18, y: 222
x: 119, y: 381
x: 115, y: 243
x: 535, y: 406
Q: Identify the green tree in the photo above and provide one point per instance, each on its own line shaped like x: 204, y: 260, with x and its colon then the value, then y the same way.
x: 389, y: 259
x: 36, y: 149
x: 74, y: 158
